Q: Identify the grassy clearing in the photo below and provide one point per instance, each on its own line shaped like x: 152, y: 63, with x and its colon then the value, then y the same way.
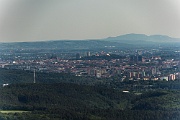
x: 12, y: 111
x: 138, y: 93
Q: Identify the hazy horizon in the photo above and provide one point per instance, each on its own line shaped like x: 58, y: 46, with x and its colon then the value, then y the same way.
x: 41, y: 20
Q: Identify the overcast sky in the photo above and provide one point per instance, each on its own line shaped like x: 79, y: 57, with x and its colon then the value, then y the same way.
x: 34, y: 20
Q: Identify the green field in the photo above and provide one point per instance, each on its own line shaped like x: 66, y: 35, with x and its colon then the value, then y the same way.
x: 12, y: 111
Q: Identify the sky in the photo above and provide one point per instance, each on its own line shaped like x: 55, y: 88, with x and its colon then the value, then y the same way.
x: 37, y: 20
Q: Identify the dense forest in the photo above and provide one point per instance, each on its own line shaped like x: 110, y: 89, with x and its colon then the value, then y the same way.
x: 20, y: 76
x: 66, y: 97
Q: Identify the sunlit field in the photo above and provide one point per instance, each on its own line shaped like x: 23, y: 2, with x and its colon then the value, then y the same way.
x: 12, y: 111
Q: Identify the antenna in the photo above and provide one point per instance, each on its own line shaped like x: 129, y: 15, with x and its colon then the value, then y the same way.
x: 34, y: 76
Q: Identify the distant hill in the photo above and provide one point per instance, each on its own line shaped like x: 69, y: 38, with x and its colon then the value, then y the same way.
x: 143, y: 39
x: 123, y: 41
x: 61, y: 44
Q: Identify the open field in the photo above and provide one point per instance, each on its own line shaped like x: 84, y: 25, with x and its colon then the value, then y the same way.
x: 12, y: 111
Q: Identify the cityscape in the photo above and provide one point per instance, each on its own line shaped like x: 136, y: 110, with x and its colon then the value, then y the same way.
x: 89, y: 60
x: 127, y: 80
x: 138, y: 64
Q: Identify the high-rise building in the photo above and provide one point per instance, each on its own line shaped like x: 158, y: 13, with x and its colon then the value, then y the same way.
x: 136, y: 58
x: 88, y: 54
x: 78, y: 56
x: 172, y: 77
x: 139, y: 58
x: 133, y: 58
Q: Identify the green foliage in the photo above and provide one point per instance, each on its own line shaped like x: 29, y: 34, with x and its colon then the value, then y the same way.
x: 72, y: 101
x: 20, y: 76
x: 42, y: 96
x: 165, y: 100
x: 56, y: 97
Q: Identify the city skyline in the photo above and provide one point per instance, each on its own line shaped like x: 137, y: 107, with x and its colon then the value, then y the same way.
x: 41, y: 20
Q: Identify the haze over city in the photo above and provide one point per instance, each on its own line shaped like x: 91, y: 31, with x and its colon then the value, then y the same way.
x: 35, y: 20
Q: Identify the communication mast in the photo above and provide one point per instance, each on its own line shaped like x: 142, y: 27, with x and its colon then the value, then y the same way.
x: 34, y: 76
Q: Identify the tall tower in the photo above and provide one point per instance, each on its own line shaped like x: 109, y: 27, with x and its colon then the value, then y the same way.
x: 88, y: 54
x: 34, y: 76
